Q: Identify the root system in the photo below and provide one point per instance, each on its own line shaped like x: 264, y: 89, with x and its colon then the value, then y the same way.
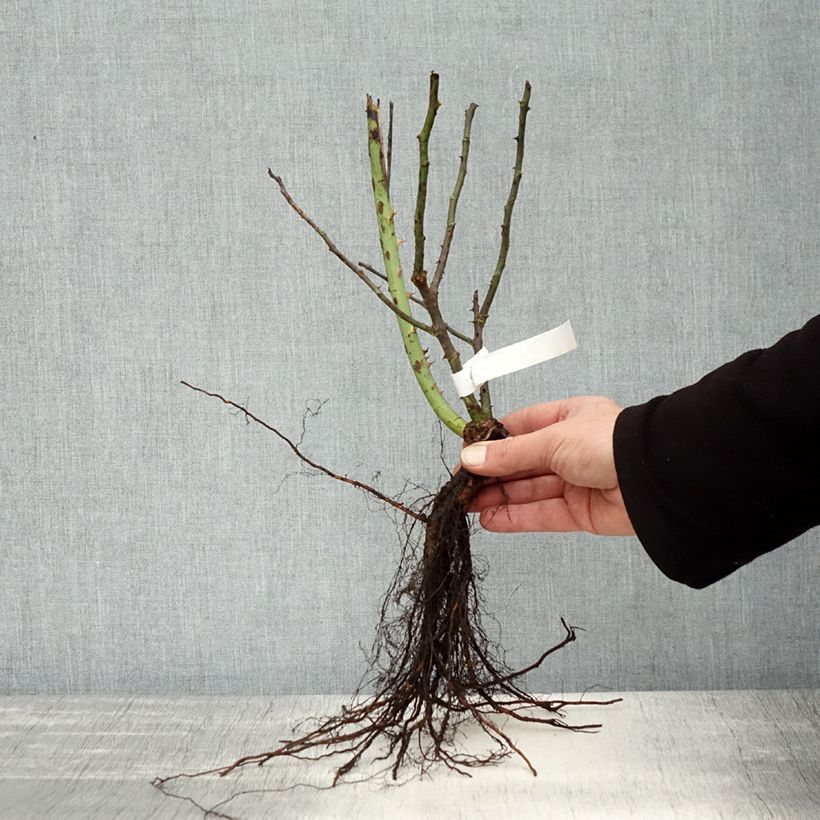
x: 433, y: 666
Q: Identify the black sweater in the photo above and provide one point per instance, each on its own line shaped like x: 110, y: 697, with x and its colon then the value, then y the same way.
x: 724, y: 470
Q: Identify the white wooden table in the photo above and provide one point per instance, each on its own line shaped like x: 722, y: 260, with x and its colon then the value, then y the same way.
x: 659, y: 754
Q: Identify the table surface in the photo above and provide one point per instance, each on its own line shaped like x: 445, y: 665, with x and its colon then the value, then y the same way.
x: 659, y: 754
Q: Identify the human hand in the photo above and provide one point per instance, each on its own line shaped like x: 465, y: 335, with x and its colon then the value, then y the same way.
x: 556, y: 470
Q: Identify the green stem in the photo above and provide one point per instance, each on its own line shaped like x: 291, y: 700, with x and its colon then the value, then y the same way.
x: 395, y: 281
x: 429, y: 290
x: 484, y: 311
x: 524, y: 107
x: 451, y: 210
x: 433, y: 105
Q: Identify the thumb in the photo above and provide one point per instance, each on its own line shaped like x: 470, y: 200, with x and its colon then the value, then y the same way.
x: 514, y: 454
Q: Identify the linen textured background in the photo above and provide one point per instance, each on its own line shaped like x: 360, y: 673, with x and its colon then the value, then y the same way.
x: 669, y: 208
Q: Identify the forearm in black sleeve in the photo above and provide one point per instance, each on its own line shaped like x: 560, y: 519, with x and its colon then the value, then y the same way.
x: 724, y: 470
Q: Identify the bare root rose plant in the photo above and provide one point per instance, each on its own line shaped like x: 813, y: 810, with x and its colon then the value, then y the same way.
x: 432, y: 665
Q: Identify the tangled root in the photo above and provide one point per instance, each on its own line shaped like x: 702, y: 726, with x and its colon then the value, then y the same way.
x: 433, y: 666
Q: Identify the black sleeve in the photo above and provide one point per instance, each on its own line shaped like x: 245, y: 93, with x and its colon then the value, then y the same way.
x: 720, y: 472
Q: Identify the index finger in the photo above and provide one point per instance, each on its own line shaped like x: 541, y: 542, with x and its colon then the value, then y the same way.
x: 532, y: 418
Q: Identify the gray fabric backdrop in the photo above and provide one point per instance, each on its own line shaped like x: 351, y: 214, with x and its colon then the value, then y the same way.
x: 669, y: 207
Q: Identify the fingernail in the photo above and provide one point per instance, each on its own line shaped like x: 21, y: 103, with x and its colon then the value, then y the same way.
x: 474, y: 455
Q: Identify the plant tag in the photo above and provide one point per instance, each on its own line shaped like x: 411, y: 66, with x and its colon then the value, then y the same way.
x: 537, y: 349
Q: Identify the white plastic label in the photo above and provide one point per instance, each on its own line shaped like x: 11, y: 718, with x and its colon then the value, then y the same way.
x: 537, y: 349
